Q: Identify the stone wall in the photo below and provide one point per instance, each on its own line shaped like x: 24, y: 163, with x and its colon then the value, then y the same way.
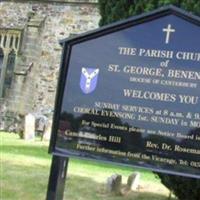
x: 44, y: 23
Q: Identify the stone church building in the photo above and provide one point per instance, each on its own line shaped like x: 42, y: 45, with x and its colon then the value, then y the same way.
x: 30, y: 53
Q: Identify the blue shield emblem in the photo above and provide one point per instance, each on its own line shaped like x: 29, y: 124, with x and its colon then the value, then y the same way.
x: 88, y: 80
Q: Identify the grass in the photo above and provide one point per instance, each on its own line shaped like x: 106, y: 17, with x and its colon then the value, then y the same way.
x: 25, y: 170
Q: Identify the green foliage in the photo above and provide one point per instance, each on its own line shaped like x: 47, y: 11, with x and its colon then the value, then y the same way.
x: 113, y: 10
x: 183, y: 188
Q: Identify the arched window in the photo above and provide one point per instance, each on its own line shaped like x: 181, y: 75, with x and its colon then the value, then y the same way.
x: 9, y: 49
x: 11, y: 41
x: 4, y: 41
x: 9, y: 72
x: 1, y: 60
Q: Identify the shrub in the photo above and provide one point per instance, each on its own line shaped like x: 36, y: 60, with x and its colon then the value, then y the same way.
x: 184, y: 188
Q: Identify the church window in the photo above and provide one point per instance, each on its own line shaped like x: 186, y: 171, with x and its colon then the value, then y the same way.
x: 1, y: 60
x: 9, y: 72
x: 11, y: 41
x: 9, y: 49
x: 4, y: 41
x: 16, y: 42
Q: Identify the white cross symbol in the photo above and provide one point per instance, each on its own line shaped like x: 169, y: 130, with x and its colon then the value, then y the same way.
x: 168, y: 31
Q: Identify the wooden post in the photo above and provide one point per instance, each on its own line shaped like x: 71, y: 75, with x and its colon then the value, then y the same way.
x: 57, y: 178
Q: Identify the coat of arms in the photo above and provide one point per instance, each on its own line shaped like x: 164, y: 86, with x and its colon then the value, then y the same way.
x: 88, y: 80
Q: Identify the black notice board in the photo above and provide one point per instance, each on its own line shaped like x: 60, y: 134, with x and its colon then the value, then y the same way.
x: 129, y: 94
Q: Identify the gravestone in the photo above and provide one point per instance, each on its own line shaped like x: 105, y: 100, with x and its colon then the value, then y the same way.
x: 114, y: 183
x: 47, y: 131
x: 29, y: 129
x: 41, y: 123
x: 133, y: 181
